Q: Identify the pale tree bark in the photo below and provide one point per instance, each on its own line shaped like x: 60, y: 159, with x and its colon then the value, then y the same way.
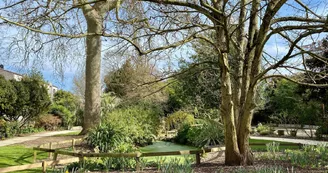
x: 245, y: 110
x: 92, y: 109
x: 94, y: 16
x: 240, y: 72
x: 232, y: 153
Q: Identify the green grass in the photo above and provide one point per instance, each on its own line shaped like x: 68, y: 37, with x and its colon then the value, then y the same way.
x: 19, y: 155
x: 257, y: 141
x: 36, y: 170
x: 263, y: 148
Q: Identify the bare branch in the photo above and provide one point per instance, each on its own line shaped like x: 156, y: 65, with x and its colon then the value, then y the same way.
x: 295, y: 81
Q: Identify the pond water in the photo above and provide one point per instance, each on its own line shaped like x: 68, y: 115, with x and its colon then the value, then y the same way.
x: 162, y: 146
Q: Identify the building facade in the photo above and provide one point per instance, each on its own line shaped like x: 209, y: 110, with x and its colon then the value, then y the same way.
x: 52, y: 89
x: 9, y: 75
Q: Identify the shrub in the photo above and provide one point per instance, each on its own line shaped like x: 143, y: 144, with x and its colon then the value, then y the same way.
x: 121, y: 163
x: 310, y: 156
x: 272, y: 149
x: 105, y: 164
x: 48, y: 122
x: 29, y: 129
x: 206, y: 132
x: 8, y: 97
x: 61, y: 111
x: 177, y: 119
x: 66, y: 99
x: 175, y: 165
x: 12, y: 128
x: 2, y: 128
x: 264, y: 130
x: 182, y: 135
x: 8, y: 129
x: 203, y: 113
x: 322, y: 130
x: 107, y: 138
x: 79, y: 116
x: 23, y: 100
x: 141, y: 122
x: 85, y: 166
x: 109, y: 102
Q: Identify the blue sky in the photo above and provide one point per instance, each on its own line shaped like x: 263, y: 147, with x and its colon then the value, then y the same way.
x: 275, y: 47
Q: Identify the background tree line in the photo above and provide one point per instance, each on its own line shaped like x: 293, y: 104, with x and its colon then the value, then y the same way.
x: 287, y: 102
x: 25, y: 106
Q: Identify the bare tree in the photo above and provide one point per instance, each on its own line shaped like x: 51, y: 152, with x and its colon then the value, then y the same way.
x: 242, y: 32
x: 79, y: 85
x: 55, y: 29
x: 59, y: 22
x: 242, y: 29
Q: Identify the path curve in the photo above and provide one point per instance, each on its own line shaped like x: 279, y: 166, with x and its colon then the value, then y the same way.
x: 17, y: 140
x: 302, y: 141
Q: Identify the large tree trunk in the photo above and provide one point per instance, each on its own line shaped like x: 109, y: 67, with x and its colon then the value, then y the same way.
x: 236, y: 131
x: 94, y: 16
x: 232, y: 154
x: 92, y: 109
x: 244, y: 130
x: 237, y: 150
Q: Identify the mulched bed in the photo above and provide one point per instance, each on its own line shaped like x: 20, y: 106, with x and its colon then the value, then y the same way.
x: 214, y: 162
x: 216, y: 165
x: 209, y: 167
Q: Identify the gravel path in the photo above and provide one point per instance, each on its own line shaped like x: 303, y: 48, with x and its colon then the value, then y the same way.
x: 302, y: 141
x: 17, y: 140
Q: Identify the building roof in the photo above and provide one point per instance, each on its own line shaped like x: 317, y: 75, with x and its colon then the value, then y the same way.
x: 1, y: 69
x: 49, y: 84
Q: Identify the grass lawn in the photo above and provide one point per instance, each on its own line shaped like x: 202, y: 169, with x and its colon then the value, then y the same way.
x: 263, y: 148
x: 19, y: 155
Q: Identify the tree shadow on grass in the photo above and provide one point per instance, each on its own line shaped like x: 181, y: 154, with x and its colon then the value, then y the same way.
x: 25, y: 158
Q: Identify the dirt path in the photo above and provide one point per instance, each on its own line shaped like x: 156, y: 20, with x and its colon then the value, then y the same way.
x: 48, y: 139
x: 32, y: 140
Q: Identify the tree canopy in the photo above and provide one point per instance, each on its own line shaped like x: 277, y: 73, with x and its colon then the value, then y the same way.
x: 28, y: 98
x: 197, y: 84
x: 242, y: 32
x: 129, y: 82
